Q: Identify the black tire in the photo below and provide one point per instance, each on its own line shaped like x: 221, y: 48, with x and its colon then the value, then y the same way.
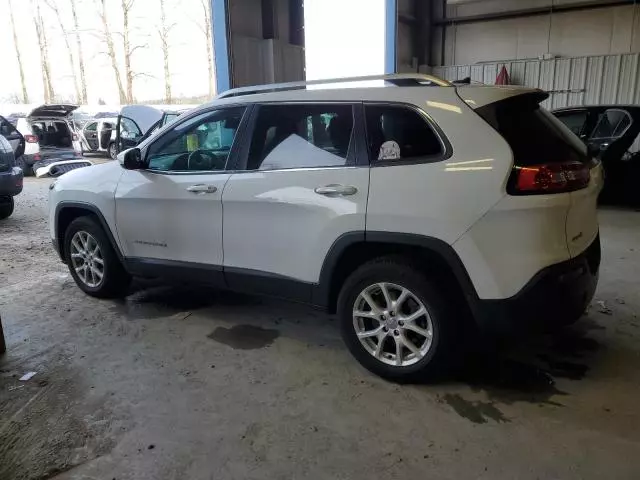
x: 6, y: 207
x: 27, y: 170
x: 111, y: 151
x: 115, y: 281
x: 438, y: 359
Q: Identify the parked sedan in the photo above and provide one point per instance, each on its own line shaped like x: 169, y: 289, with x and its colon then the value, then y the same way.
x: 611, y: 133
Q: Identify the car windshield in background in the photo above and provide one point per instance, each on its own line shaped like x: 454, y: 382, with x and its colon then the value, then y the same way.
x: 612, y: 124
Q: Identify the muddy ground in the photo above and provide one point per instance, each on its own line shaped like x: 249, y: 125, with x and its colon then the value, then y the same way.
x: 184, y: 383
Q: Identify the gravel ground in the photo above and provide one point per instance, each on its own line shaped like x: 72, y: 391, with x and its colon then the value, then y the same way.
x: 177, y: 383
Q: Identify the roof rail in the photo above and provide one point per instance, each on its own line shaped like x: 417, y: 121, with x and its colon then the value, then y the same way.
x: 397, y: 79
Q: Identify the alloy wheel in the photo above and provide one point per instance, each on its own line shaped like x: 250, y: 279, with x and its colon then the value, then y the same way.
x: 87, y: 259
x: 392, y: 324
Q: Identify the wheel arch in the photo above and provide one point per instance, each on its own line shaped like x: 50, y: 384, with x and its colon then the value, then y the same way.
x: 67, y: 212
x: 431, y: 255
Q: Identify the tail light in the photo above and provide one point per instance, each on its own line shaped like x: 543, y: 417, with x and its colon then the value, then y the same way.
x: 75, y: 137
x: 550, y: 178
x: 31, y: 138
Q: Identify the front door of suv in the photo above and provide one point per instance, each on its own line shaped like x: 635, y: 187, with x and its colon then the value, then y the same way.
x: 169, y: 215
x: 301, y: 183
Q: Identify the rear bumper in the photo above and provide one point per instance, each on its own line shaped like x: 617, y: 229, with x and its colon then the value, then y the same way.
x: 11, y: 182
x: 558, y: 295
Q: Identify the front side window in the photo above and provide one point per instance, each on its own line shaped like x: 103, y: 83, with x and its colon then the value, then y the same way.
x: 301, y: 136
x: 399, y: 133
x: 202, y: 143
x: 612, y: 124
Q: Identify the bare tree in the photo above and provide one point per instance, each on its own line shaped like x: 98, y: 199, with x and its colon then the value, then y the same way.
x: 127, y: 5
x: 44, y: 52
x: 206, y: 29
x: 163, y: 32
x: 53, y: 6
x: 111, y: 51
x: 76, y: 26
x: 25, y: 95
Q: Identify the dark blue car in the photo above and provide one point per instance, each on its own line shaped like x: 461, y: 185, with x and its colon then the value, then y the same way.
x: 11, y: 147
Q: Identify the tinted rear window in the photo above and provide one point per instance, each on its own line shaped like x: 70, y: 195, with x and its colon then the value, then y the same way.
x: 534, y: 135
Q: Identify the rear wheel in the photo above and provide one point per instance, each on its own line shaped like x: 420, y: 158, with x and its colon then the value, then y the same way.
x: 6, y: 207
x: 92, y: 262
x: 27, y: 170
x: 396, y: 322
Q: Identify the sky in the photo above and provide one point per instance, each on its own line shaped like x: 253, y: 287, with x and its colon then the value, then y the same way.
x: 336, y: 46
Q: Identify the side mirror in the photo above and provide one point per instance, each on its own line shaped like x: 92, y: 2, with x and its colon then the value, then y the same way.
x: 132, y: 159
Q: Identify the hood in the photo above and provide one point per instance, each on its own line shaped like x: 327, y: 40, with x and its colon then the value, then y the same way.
x: 94, y: 178
x: 145, y: 116
x: 61, y: 111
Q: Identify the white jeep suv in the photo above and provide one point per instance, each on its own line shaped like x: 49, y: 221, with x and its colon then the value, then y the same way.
x: 416, y: 210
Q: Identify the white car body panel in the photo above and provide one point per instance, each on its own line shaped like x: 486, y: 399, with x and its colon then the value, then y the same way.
x: 582, y: 221
x: 515, y: 240
x: 275, y: 222
x: 158, y: 218
x: 443, y: 199
x: 94, y: 186
x: 30, y: 148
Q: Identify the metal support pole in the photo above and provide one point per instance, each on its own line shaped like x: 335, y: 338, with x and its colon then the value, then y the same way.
x: 222, y: 55
x: 390, y: 35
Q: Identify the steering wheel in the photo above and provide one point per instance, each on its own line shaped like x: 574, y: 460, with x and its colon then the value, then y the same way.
x: 200, y: 160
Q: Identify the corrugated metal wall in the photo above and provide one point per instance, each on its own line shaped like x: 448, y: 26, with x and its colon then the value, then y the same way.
x: 571, y: 81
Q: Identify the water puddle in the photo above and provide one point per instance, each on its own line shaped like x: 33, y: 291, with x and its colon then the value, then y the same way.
x: 244, y: 337
x: 475, y: 411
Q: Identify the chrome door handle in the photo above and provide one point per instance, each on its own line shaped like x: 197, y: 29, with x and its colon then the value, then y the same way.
x: 202, y: 189
x: 336, y: 190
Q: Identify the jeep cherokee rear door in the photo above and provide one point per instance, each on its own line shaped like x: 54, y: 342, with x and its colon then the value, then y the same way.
x: 301, y: 184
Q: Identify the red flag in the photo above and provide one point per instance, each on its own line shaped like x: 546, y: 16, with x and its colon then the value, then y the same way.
x: 503, y: 77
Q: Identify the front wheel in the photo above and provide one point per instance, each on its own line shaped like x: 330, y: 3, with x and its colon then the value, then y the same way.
x: 113, y: 153
x: 92, y: 261
x: 6, y: 207
x: 396, y: 322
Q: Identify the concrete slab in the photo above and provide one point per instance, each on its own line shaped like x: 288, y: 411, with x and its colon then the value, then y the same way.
x: 178, y: 383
